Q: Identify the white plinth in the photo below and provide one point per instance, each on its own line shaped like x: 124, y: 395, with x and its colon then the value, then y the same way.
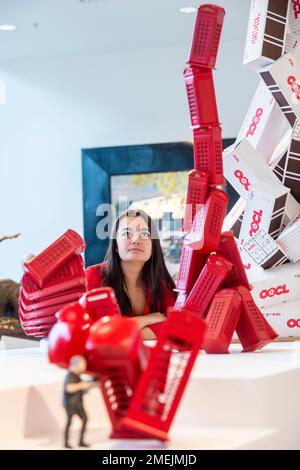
x: 234, y: 401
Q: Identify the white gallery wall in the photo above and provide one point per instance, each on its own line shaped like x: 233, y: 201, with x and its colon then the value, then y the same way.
x: 57, y: 106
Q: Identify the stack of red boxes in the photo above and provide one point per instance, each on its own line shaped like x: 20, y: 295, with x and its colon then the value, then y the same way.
x: 53, y: 279
x: 205, y: 205
x: 202, y: 273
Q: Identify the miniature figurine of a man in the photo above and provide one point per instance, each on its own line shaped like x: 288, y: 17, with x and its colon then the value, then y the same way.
x: 74, y: 389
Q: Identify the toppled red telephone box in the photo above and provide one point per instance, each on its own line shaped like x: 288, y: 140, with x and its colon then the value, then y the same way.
x: 38, y: 306
x: 100, y: 302
x: 208, y: 283
x: 221, y: 321
x: 253, y: 330
x: 69, y: 278
x: 43, y: 266
x: 191, y: 263
x: 208, y: 152
x: 201, y: 97
x: 196, y: 195
x: 228, y: 248
x: 207, y: 225
x: 68, y: 336
x: 159, y: 391
x: 116, y: 352
x: 207, y: 34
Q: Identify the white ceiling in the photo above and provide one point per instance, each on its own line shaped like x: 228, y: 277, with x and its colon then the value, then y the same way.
x: 71, y: 27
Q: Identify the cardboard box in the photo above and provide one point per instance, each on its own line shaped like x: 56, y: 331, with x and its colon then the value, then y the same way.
x: 267, y: 28
x: 275, y: 286
x: 234, y: 218
x: 283, y: 80
x: 244, y: 167
x: 289, y: 240
x: 263, y: 251
x: 292, y: 209
x: 288, y: 168
x: 291, y: 41
x: 263, y: 121
x: 294, y: 17
x: 265, y: 208
x: 248, y: 262
x: 284, y: 318
x: 280, y: 150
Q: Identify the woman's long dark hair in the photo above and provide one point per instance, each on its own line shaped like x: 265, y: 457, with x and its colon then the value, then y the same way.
x: 154, y: 273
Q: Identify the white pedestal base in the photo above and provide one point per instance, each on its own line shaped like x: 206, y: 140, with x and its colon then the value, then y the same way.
x: 234, y: 401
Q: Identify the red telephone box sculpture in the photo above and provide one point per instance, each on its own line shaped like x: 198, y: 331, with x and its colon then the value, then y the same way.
x: 201, y: 97
x: 207, y: 226
x: 180, y: 301
x: 142, y: 389
x: 70, y: 278
x: 68, y: 336
x: 207, y: 36
x: 38, y: 305
x: 191, y: 264
x: 208, y: 283
x: 43, y: 266
x: 253, y: 330
x: 116, y: 352
x: 196, y: 196
x: 221, y: 321
x: 158, y: 394
x: 208, y: 153
x: 229, y: 249
x: 100, y: 302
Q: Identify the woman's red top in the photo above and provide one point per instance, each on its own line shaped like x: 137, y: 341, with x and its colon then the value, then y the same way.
x: 95, y: 279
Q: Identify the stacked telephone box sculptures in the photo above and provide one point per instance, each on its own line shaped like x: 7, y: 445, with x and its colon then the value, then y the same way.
x: 201, y: 274
x: 265, y: 218
x: 142, y: 387
x: 52, y: 280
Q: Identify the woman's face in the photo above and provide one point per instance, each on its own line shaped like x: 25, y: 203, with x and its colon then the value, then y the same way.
x: 134, y: 239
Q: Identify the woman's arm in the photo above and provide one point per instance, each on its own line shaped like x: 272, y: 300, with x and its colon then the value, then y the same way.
x: 152, y: 330
x: 147, y: 333
x: 146, y: 321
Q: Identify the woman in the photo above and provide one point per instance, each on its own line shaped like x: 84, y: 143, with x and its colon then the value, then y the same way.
x: 134, y: 267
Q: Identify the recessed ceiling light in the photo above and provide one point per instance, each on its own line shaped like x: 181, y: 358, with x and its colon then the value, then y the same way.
x: 7, y: 27
x: 188, y: 9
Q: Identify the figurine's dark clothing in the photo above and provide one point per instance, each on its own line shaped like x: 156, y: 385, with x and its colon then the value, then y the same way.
x: 73, y: 404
